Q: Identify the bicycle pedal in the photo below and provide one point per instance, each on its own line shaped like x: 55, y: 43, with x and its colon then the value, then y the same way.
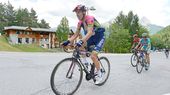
x: 146, y: 68
x: 88, y: 77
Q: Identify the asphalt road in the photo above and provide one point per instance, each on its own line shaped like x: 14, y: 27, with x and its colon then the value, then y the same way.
x: 29, y: 74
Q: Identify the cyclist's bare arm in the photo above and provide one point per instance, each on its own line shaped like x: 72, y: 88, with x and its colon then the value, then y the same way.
x: 133, y: 46
x: 88, y: 35
x: 137, y: 46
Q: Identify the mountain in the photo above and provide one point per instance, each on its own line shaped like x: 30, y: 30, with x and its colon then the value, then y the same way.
x: 144, y: 21
x: 165, y: 31
x: 153, y: 29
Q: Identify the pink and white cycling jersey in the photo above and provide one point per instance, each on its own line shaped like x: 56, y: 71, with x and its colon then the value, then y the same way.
x: 90, y: 21
x: 98, y: 37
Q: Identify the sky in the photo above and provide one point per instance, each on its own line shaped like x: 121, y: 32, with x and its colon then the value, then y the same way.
x: 156, y: 11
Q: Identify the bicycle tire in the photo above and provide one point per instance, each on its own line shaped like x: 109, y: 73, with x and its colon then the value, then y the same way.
x: 132, y: 63
x: 54, y: 74
x: 139, y: 65
x: 108, y: 70
x: 167, y: 54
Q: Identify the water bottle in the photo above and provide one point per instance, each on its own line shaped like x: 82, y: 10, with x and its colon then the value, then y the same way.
x: 85, y: 62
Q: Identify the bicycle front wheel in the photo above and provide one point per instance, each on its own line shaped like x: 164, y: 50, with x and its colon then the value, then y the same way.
x: 66, y: 77
x: 139, y: 65
x: 133, y: 60
x: 105, y: 69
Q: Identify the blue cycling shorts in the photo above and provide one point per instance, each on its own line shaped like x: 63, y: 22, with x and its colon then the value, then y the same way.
x: 96, y: 42
x: 145, y: 48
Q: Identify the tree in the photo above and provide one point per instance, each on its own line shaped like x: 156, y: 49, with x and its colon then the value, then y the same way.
x: 157, y: 41
x: 22, y: 17
x: 3, y: 20
x: 129, y: 22
x: 19, y: 17
x: 33, y: 18
x: 121, y: 20
x: 162, y: 38
x: 63, y: 30
x: 44, y: 24
x: 118, y: 40
x: 9, y: 14
x: 121, y: 32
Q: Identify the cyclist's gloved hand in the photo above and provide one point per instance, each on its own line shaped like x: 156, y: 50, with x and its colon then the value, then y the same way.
x: 79, y: 43
x: 65, y: 43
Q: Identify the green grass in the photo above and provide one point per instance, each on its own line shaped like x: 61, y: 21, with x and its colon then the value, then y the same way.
x: 5, y: 46
x: 30, y: 48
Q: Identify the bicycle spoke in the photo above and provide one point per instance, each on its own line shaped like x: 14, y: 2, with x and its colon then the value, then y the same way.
x: 140, y: 65
x: 134, y: 60
x: 105, y: 68
x: 66, y: 77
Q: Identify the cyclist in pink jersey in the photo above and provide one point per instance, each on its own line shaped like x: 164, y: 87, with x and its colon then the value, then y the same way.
x: 94, y: 36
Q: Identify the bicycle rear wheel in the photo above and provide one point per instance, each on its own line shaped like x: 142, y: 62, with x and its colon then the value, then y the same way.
x: 139, y: 65
x: 133, y: 60
x: 66, y: 77
x: 105, y: 69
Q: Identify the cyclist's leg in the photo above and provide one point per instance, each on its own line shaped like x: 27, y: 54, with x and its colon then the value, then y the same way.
x: 98, y: 41
x: 143, y: 48
x: 148, y: 59
x: 90, y: 47
x: 98, y: 46
x: 94, y: 56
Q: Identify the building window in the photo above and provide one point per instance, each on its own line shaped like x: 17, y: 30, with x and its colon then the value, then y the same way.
x: 33, y: 40
x: 41, y: 39
x: 19, y: 40
x: 28, y: 33
x: 46, y: 39
x: 27, y: 40
x: 25, y: 32
x: 17, y: 32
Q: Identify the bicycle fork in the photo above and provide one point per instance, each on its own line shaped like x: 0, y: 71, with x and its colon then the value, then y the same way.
x: 70, y: 70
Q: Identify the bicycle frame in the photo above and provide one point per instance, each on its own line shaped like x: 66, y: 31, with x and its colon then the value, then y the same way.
x: 76, y: 55
x: 142, y: 54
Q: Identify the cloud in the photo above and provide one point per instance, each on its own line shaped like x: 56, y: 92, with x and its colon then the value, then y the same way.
x: 157, y: 11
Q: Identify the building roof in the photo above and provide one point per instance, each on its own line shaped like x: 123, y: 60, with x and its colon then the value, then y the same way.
x: 25, y: 28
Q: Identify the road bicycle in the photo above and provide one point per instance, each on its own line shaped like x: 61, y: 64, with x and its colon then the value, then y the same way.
x: 67, y: 75
x: 134, y: 57
x: 167, y: 53
x: 141, y: 62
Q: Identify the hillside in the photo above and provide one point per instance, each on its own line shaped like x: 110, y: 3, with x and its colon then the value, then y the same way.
x: 5, y: 46
x: 162, y: 38
x: 153, y: 29
x: 165, y: 30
